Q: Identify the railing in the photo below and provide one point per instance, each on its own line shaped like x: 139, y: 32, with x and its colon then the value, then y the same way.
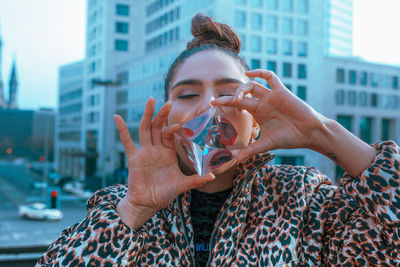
x: 21, y: 256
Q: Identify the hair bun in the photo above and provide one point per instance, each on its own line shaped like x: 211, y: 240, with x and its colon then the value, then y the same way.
x: 208, y: 32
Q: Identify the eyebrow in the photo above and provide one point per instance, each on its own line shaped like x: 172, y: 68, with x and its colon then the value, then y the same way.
x: 219, y: 81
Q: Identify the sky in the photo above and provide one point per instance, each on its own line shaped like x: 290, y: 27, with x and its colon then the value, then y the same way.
x: 44, y: 34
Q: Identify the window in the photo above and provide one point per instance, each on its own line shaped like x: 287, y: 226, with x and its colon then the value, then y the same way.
x: 303, y: 6
x: 364, y: 78
x: 243, y: 39
x: 272, y: 4
x: 93, y: 117
x: 255, y: 43
x: 387, y: 129
x: 339, y: 97
x: 121, y: 45
x: 256, y: 3
x: 93, y: 100
x: 374, y: 80
x: 340, y: 75
x: 289, y: 160
x: 395, y: 82
x: 240, y: 19
x: 122, y: 97
x: 271, y: 65
x: 302, y: 92
x: 374, y: 100
x: 385, y: 81
x: 302, y: 49
x: 255, y: 64
x: 122, y: 10
x: 272, y: 24
x: 352, y: 77
x: 352, y: 98
x: 384, y: 99
x: 272, y: 46
x: 121, y: 27
x: 287, y: 5
x: 256, y: 21
x: 366, y: 129
x: 287, y: 69
x: 302, y: 28
x: 287, y: 26
x: 301, y: 71
x: 345, y: 121
x: 363, y: 99
x: 93, y: 66
x: 287, y: 47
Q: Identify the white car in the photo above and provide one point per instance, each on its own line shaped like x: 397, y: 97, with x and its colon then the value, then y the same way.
x: 40, y: 211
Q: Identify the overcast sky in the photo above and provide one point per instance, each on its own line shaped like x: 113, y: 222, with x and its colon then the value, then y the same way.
x: 44, y: 34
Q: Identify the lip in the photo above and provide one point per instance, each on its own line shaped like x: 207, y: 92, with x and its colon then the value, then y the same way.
x: 219, y: 155
x: 230, y: 139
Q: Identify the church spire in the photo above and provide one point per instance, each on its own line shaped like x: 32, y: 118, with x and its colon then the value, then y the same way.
x: 2, y: 99
x: 13, y: 86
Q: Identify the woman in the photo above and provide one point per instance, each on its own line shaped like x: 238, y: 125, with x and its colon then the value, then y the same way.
x: 249, y: 213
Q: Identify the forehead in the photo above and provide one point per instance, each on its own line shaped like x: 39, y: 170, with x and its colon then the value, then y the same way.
x: 209, y: 65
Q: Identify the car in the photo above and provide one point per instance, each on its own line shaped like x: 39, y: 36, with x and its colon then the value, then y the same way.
x: 39, y: 211
x: 76, y: 188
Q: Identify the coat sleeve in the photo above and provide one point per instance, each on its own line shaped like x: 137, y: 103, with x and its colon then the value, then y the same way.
x: 358, y: 223
x: 101, y: 239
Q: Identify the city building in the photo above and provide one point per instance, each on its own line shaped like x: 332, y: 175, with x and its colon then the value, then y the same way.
x: 69, y: 157
x: 27, y: 134
x: 305, y: 42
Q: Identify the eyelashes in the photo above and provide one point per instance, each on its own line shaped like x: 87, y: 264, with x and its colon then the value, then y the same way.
x: 189, y: 96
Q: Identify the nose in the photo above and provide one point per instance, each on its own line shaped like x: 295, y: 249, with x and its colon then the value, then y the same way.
x: 206, y: 103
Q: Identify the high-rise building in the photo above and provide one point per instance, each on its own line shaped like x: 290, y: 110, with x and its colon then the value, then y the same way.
x: 69, y: 157
x: 130, y: 46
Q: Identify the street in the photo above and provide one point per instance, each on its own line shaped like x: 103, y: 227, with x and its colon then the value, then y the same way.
x: 16, y: 189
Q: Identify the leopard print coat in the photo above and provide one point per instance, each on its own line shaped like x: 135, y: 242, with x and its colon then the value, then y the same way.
x: 274, y: 216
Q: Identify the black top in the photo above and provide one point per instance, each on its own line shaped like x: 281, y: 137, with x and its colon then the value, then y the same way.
x: 204, y: 209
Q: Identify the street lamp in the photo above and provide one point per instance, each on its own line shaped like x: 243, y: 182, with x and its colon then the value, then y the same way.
x: 106, y: 84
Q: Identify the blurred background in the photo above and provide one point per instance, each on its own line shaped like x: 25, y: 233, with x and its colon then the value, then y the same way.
x: 67, y: 66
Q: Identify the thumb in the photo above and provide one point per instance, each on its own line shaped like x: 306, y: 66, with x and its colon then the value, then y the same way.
x: 190, y: 182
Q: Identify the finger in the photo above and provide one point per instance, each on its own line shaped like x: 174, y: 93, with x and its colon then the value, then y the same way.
x: 158, y: 122
x: 194, y: 181
x: 144, y: 128
x: 252, y: 88
x: 126, y: 140
x: 267, y: 75
x: 247, y: 103
x: 255, y: 148
x: 168, y: 136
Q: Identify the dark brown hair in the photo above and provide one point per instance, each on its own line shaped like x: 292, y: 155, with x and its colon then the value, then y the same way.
x: 208, y: 35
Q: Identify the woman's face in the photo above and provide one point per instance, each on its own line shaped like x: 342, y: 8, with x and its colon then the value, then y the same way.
x: 201, y: 78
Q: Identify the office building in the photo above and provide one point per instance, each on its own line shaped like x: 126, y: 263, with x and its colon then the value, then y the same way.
x: 69, y: 157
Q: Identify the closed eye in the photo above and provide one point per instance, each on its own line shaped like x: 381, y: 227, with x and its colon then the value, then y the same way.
x: 188, y: 96
x: 225, y: 95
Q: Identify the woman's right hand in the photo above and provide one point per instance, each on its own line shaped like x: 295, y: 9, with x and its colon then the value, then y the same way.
x: 155, y: 178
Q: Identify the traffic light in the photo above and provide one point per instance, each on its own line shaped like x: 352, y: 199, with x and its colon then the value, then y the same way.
x: 53, y: 201
x: 53, y: 197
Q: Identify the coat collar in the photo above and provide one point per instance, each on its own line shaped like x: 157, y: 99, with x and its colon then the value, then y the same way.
x: 248, y: 165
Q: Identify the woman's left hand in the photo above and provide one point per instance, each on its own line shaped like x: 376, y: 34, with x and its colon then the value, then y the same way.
x: 285, y: 120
